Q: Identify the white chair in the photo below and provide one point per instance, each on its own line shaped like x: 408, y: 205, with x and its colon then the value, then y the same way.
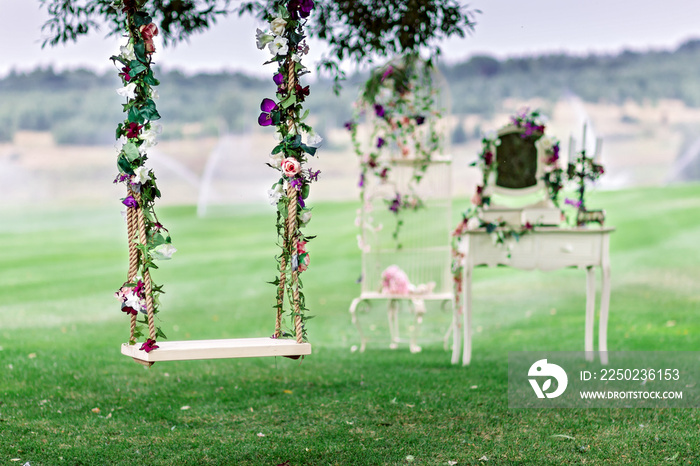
x: 421, y: 249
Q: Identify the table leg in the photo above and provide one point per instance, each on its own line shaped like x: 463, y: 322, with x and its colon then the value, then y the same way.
x: 456, y: 337
x: 603, y: 319
x: 467, y: 315
x: 590, y: 312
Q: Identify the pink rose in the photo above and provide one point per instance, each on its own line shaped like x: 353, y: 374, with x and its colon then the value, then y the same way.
x: 148, y: 32
x: 290, y: 167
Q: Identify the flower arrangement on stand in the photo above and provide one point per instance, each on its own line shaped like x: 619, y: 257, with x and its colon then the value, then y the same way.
x: 149, y: 240
x: 399, y: 101
x: 286, y: 43
x: 584, y: 170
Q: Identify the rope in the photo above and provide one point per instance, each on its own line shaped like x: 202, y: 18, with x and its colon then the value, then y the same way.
x: 280, y: 290
x: 133, y: 255
x: 146, y: 273
x: 294, y: 242
x: 291, y: 224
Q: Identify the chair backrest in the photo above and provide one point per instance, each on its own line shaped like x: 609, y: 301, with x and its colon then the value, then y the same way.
x: 424, y: 233
x: 518, y: 170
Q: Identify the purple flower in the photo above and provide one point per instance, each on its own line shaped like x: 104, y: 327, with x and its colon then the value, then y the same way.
x: 349, y: 125
x: 387, y: 73
x: 129, y: 201
x: 129, y: 310
x: 278, y: 79
x: 121, y: 178
x: 572, y: 202
x: 302, y: 204
x: 361, y: 183
x: 379, y: 110
x: 267, y: 106
x: 555, y: 153
x: 420, y: 119
x: 380, y: 143
x: 313, y: 175
x: 296, y: 183
x: 132, y: 131
x: 149, y: 346
x: 395, y: 204
x: 300, y: 8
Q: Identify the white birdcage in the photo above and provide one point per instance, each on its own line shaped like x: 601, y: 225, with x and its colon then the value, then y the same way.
x: 421, y: 250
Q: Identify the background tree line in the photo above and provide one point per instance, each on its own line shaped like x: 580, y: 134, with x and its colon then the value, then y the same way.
x: 81, y: 107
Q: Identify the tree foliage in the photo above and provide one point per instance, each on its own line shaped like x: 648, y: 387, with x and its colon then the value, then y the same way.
x: 358, y: 30
x: 176, y: 19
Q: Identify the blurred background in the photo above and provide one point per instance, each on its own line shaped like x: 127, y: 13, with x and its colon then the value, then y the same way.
x: 629, y: 68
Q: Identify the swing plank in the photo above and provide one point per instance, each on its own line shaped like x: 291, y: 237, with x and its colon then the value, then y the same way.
x: 217, y: 349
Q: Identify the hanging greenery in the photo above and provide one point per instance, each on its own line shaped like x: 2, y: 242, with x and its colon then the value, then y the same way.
x: 399, y: 105
x: 149, y: 240
x: 286, y: 42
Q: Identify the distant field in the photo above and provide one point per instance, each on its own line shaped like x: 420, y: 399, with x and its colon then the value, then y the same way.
x: 68, y: 397
x: 641, y: 145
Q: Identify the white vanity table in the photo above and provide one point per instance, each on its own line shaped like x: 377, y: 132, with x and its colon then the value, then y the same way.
x: 545, y: 248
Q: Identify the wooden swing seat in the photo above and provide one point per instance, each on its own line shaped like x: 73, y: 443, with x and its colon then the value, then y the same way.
x: 217, y: 349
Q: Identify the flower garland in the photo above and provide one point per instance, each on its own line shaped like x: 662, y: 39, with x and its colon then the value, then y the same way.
x: 400, y: 100
x: 149, y: 240
x: 286, y: 42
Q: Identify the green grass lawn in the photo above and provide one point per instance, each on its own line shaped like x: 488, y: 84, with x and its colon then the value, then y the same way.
x: 67, y: 396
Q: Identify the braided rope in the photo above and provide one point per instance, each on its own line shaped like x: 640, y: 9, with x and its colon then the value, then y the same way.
x: 146, y: 274
x: 131, y: 226
x: 280, y: 290
x: 293, y: 241
x: 291, y: 223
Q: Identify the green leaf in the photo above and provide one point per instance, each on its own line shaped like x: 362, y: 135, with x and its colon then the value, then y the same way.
x: 136, y: 67
x: 135, y: 116
x: 308, y: 149
x: 289, y: 101
x: 141, y: 18
x: 140, y: 51
x: 131, y: 151
x: 150, y: 79
x: 148, y: 111
x: 305, y: 191
x: 277, y: 149
x: 124, y: 165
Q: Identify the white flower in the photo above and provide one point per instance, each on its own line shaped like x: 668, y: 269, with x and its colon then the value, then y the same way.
x: 154, y: 94
x: 149, y: 136
x: 279, y: 46
x: 163, y: 251
x: 141, y: 175
x: 296, y: 57
x: 275, y: 194
x: 313, y: 139
x: 276, y: 159
x: 120, y: 142
x: 134, y: 302
x: 128, y: 91
x: 262, y: 39
x: 277, y: 25
x: 306, y: 217
x: 545, y: 143
x: 127, y: 51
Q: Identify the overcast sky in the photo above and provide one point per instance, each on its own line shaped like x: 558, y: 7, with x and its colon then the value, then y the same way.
x: 504, y: 28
